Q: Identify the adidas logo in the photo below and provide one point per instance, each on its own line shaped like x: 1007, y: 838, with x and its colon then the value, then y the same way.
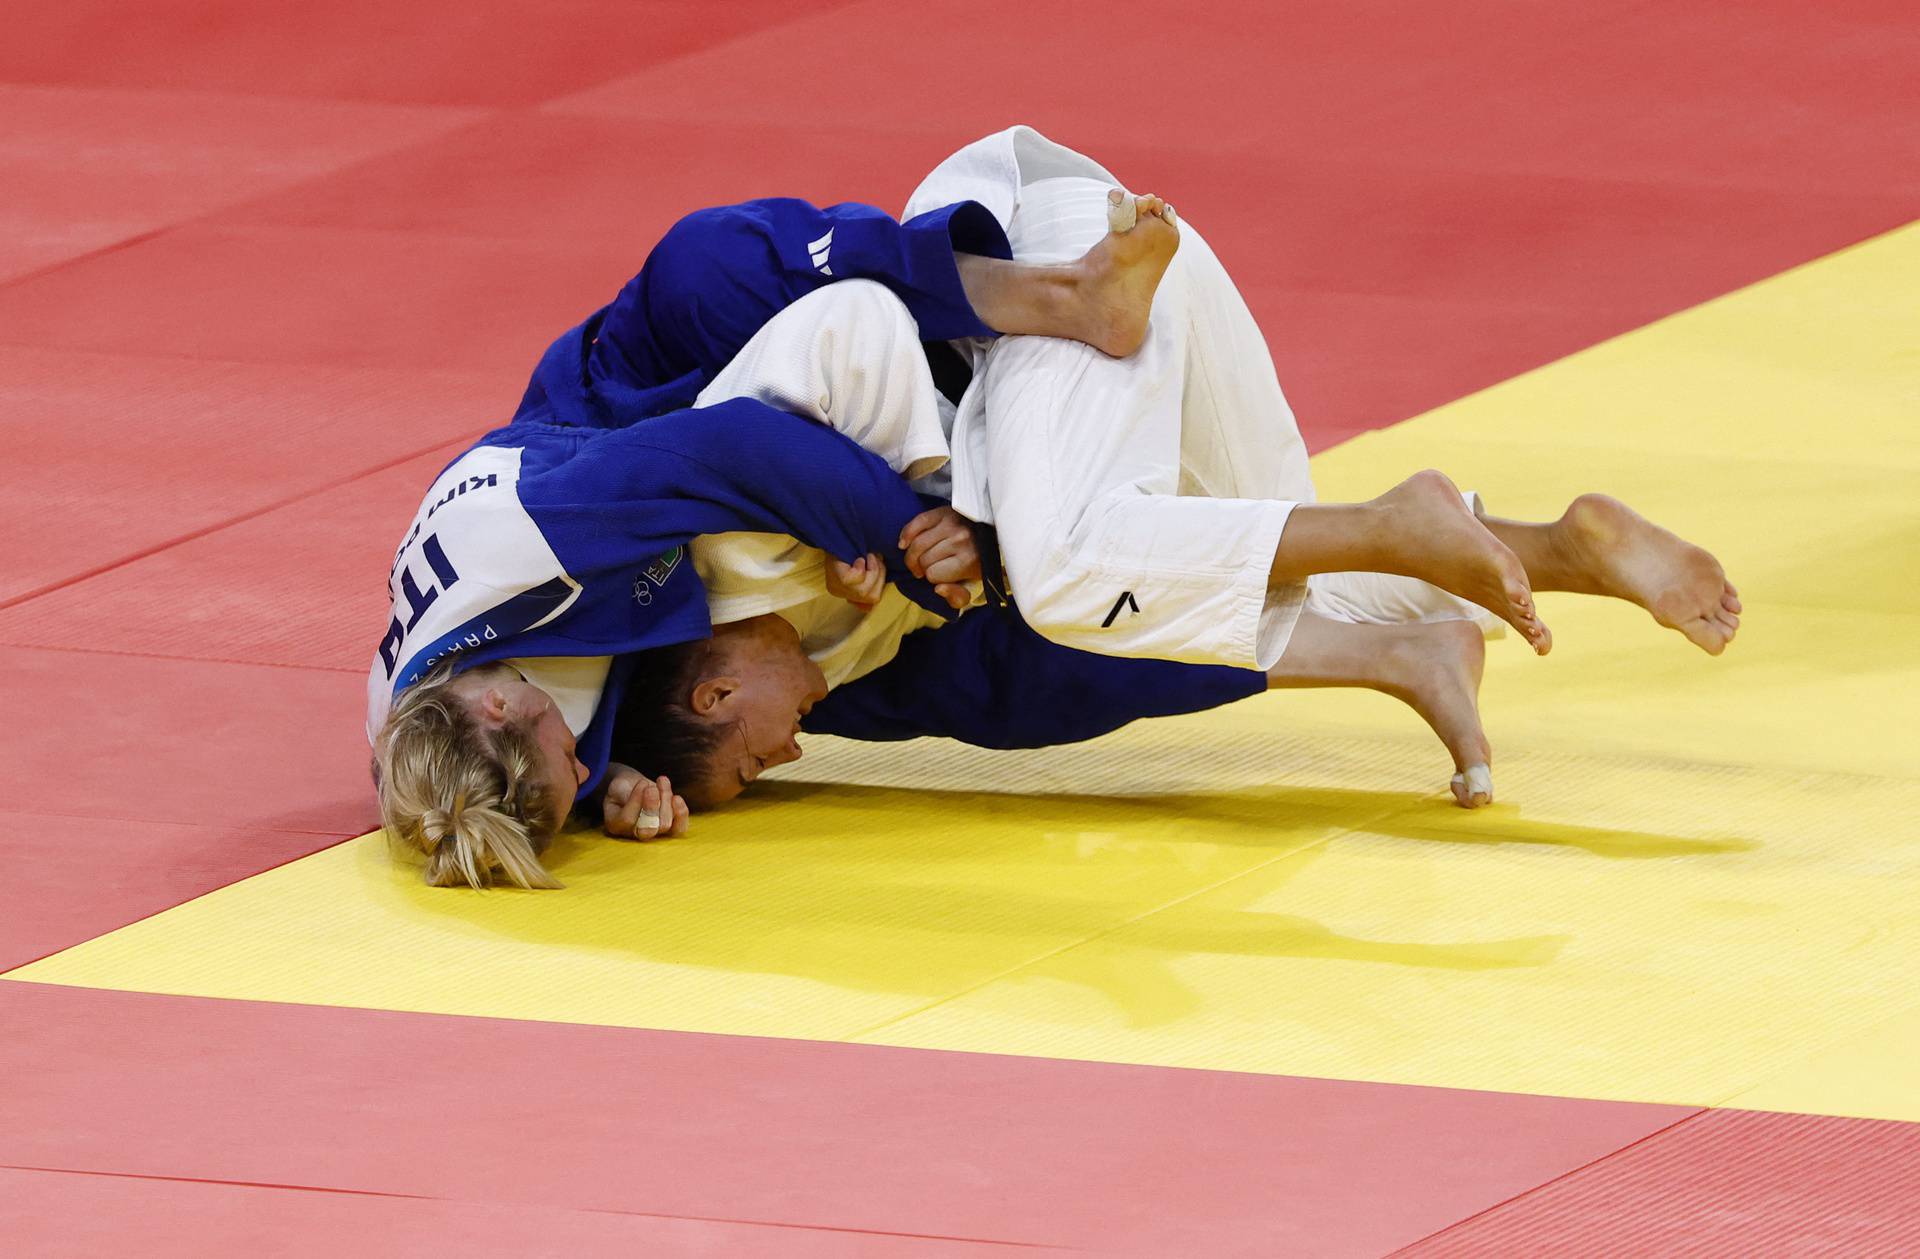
x: 818, y: 250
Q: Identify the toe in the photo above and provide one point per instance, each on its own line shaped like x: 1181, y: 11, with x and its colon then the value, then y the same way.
x: 1479, y: 785
x: 1708, y: 635
x: 1730, y: 601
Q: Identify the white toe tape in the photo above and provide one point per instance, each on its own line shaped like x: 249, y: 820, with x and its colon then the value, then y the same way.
x: 1479, y: 781
x: 1122, y: 217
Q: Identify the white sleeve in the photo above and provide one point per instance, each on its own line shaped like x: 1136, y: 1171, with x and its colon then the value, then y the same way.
x: 849, y: 356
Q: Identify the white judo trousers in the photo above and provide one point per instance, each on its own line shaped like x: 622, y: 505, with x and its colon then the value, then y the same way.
x: 1140, y: 501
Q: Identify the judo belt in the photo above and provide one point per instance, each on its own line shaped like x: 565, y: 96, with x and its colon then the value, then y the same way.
x: 951, y: 376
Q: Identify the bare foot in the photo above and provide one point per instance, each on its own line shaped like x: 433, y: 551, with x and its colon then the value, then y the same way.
x: 1429, y: 532
x: 1116, y: 279
x: 1436, y: 669
x: 1625, y: 555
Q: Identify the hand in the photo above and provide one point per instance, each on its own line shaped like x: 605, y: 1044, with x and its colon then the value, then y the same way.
x: 860, y: 583
x: 636, y: 807
x: 940, y: 547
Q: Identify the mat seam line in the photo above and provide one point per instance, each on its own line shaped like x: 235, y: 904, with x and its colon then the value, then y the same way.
x: 198, y: 824
x: 1819, y: 1051
x: 162, y: 655
x: 7, y: 972
x: 1551, y: 1181
x: 545, y: 105
x: 217, y: 526
x: 477, y: 115
x: 1125, y: 923
x: 616, y: 1211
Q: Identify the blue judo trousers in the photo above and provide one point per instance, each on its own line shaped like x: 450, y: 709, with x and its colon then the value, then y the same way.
x: 986, y: 678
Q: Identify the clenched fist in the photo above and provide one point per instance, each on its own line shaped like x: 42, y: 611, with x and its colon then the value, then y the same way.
x: 940, y: 547
x: 636, y: 807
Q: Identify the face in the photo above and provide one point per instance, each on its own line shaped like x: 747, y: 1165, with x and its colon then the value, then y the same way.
x: 756, y: 686
x: 503, y: 697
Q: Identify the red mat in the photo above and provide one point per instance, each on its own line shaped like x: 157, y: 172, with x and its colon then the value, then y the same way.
x: 255, y: 256
x: 487, y: 52
x: 88, y: 168
x: 560, y: 1117
x: 253, y: 583
x: 79, y: 1215
x: 1726, y: 1182
x: 125, y: 454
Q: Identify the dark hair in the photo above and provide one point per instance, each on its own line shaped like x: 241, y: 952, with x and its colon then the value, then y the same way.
x: 655, y: 730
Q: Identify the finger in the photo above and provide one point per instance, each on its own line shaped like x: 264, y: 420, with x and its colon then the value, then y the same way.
x: 917, y: 549
x: 954, y: 571
x: 933, y: 542
x: 647, y: 818
x: 920, y: 524
x: 946, y: 549
x: 619, y: 790
x: 617, y: 806
x: 957, y: 597
x: 871, y: 586
x: 621, y: 821
x: 680, y: 814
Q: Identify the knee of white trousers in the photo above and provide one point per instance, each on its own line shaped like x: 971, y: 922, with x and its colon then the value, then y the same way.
x: 868, y: 309
x: 1054, y: 583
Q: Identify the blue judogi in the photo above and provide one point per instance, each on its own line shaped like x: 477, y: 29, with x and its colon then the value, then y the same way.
x: 988, y: 679
x: 563, y: 533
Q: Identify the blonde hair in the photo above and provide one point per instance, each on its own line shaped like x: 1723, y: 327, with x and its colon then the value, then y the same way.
x: 472, y: 800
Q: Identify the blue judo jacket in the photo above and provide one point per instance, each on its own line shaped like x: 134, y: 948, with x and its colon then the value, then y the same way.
x: 564, y: 533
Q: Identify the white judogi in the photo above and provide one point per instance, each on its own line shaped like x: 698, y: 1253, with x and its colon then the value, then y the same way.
x: 1168, y: 475
x: 849, y: 356
x: 1139, y: 501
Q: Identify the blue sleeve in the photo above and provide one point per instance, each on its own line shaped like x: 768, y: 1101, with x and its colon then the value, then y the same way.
x: 989, y: 680
x: 720, y: 274
x: 737, y: 465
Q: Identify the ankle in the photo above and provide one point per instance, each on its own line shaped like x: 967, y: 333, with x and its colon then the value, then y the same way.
x: 1566, y: 563
x: 1398, y: 669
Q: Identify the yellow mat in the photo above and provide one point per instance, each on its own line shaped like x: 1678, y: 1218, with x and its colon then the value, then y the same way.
x: 1702, y: 884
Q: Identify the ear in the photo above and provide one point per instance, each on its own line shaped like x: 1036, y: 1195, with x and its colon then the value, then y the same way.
x: 491, y: 707
x: 710, y: 695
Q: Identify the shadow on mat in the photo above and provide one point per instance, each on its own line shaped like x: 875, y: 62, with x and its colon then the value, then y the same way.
x: 881, y: 888
x: 1255, y: 814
